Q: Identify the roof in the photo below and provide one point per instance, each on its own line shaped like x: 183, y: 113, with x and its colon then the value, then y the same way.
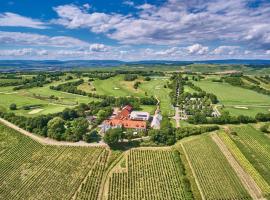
x: 127, y: 123
x: 139, y: 113
x: 124, y: 113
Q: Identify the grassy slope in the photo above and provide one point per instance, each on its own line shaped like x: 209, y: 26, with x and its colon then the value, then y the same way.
x: 231, y: 96
x: 32, y: 171
x: 26, y: 97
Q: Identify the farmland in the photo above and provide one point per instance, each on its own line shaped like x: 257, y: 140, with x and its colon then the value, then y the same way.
x: 53, y: 172
x: 210, y: 167
x: 141, y: 177
x: 256, y: 147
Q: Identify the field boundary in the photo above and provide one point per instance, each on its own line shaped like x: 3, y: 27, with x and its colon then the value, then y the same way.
x: 49, y: 141
x: 193, y: 172
x: 247, y: 181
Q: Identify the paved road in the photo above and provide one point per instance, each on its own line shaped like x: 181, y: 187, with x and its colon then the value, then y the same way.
x: 48, y: 141
x: 177, y: 117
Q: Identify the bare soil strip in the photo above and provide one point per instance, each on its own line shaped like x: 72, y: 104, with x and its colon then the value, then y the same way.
x: 247, y: 181
x: 193, y: 172
x: 48, y: 141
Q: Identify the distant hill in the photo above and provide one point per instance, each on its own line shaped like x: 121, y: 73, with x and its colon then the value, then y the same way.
x: 14, y: 65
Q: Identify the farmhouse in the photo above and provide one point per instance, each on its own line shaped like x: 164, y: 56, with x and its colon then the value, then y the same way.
x: 127, y: 118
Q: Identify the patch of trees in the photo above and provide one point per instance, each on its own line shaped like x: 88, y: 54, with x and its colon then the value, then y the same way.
x: 136, y: 85
x: 167, y: 135
x: 70, y: 87
x: 114, y: 136
x: 251, y: 80
x: 263, y: 117
x: 36, y: 81
x: 265, y: 128
x: 264, y: 79
x: 13, y: 106
x: 130, y: 77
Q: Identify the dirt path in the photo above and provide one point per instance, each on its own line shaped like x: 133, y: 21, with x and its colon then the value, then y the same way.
x: 247, y: 181
x: 48, y: 141
x: 193, y: 172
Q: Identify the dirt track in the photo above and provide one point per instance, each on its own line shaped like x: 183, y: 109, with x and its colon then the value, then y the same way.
x: 247, y: 181
x: 48, y: 141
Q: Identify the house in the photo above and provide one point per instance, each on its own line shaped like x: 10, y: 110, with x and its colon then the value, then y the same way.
x: 138, y: 115
x: 124, y: 113
x: 132, y: 124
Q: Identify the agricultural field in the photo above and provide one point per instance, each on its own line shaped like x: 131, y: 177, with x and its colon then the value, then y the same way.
x: 30, y: 170
x: 149, y: 174
x: 256, y: 148
x: 215, y: 176
x: 235, y: 99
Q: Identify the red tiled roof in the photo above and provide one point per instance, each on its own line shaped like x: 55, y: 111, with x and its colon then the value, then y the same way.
x: 127, y: 123
x: 124, y: 113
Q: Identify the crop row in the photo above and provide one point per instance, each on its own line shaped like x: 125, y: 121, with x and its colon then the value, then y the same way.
x: 151, y: 174
x: 216, y: 177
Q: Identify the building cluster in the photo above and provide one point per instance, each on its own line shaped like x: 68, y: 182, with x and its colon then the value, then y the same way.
x: 126, y: 118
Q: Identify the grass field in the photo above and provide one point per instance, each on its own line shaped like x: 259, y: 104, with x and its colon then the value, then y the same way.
x: 149, y: 174
x: 39, y: 96
x: 116, y: 86
x: 32, y: 171
x: 256, y: 148
x: 233, y: 97
x: 216, y: 177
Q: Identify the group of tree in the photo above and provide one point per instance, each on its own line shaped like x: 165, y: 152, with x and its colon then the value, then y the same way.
x: 70, y: 87
x: 130, y: 77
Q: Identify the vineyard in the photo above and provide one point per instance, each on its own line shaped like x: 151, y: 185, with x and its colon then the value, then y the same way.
x: 215, y: 176
x: 30, y: 170
x: 150, y: 174
x: 256, y: 148
x: 245, y: 163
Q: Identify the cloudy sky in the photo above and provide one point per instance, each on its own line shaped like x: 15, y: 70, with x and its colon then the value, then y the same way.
x: 135, y: 29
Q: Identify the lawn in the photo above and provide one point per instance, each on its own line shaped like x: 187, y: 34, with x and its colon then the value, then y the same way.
x: 116, y: 86
x: 30, y: 170
x: 233, y: 97
x: 40, y: 96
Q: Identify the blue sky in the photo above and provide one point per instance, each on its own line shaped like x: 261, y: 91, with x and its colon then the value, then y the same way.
x: 135, y: 30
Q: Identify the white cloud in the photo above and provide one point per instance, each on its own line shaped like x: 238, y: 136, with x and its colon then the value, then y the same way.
x: 12, y: 19
x: 178, y: 22
x: 18, y: 38
x: 98, y: 47
x: 197, y: 49
x: 268, y: 52
x: 16, y: 52
x: 129, y: 3
x: 226, y: 50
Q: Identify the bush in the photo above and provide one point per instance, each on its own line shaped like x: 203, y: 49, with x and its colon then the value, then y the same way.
x: 13, y: 106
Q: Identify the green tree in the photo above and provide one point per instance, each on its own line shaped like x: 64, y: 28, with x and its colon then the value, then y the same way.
x: 56, y: 128
x: 13, y: 106
x: 113, y: 136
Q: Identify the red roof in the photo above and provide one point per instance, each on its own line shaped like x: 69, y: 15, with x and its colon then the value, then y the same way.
x: 127, y: 123
x: 124, y: 113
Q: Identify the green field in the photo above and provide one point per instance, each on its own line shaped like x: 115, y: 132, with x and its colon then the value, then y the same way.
x: 40, y: 96
x: 149, y: 174
x: 216, y: 177
x: 256, y: 148
x: 116, y: 86
x: 30, y: 170
x: 237, y: 100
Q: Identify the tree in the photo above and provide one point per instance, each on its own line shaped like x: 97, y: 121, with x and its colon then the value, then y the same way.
x: 113, y: 136
x: 56, y: 128
x: 13, y: 106
x: 79, y: 127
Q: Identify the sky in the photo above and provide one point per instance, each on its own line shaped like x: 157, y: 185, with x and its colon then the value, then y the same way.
x: 134, y: 29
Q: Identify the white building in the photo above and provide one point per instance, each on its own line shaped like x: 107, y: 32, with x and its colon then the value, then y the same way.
x: 138, y: 115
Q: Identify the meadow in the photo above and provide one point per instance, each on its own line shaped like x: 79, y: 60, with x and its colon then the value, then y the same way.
x: 30, y: 170
x: 235, y: 99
